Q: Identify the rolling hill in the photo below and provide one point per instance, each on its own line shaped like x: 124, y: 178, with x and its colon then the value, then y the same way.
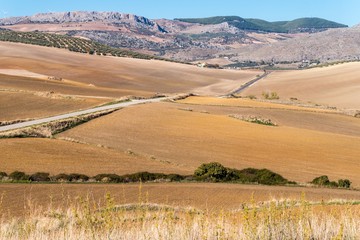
x: 214, y: 39
x: 328, y: 46
x: 297, y: 25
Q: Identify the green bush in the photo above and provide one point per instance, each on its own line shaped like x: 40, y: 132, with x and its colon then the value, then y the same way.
x: 111, y: 178
x: 40, y: 177
x: 18, y: 176
x: 3, y: 174
x: 322, y: 181
x: 344, y: 183
x: 143, y: 176
x: 333, y: 184
x: 75, y: 177
x: 214, y: 172
x: 61, y: 177
x: 267, y: 177
x: 175, y: 177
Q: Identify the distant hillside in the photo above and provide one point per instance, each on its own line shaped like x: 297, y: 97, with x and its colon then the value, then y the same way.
x: 223, y: 40
x: 297, y: 25
x: 84, y: 17
x: 71, y: 43
x: 328, y: 46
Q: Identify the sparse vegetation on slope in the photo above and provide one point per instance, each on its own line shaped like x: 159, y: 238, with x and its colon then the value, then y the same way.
x: 297, y: 25
x: 71, y: 43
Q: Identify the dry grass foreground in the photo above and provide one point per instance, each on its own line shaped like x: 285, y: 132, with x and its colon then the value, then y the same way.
x: 126, y: 76
x: 173, y: 133
x: 19, y: 199
x: 99, y: 217
x: 335, y: 86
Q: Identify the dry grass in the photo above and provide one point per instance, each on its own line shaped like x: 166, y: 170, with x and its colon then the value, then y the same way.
x: 190, y: 138
x: 203, y: 196
x: 20, y: 105
x: 89, y: 218
x: 335, y: 86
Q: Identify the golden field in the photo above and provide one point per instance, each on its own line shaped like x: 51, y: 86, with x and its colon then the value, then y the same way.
x: 300, y: 148
x: 20, y: 105
x: 59, y: 156
x: 116, y: 77
x: 336, y: 86
x: 177, y: 137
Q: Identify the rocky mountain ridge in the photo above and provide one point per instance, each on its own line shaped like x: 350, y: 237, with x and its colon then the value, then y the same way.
x: 219, y: 40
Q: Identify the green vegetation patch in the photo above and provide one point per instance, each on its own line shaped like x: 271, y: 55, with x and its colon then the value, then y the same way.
x: 215, y: 172
x: 72, y: 44
x: 325, y: 182
x: 297, y: 25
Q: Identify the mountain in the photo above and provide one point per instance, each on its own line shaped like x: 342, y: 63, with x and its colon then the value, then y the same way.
x: 328, y: 46
x: 297, y: 25
x: 219, y: 40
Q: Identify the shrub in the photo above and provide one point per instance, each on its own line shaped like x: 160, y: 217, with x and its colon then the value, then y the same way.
x: 251, y: 97
x: 3, y: 174
x: 112, y: 178
x: 175, y: 177
x: 40, y: 177
x: 271, y: 95
x: 143, y: 176
x: 61, y: 178
x: 262, y: 176
x: 75, y: 177
x: 344, y: 183
x: 265, y: 176
x: 18, y: 176
x: 214, y: 172
x: 322, y: 181
x: 333, y: 184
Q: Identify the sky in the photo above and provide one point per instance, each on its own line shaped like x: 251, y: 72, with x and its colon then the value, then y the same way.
x: 342, y: 11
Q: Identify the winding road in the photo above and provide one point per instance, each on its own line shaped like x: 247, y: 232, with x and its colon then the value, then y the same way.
x: 248, y: 84
x: 113, y: 106
x: 78, y: 113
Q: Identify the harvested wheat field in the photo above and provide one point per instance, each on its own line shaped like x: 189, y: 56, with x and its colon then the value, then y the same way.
x: 17, y: 197
x: 22, y: 105
x: 134, y: 75
x: 186, y: 137
x: 318, y: 119
x: 60, y: 156
x: 337, y: 86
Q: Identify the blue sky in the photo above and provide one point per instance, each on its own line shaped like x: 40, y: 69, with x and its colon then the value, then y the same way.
x: 343, y: 11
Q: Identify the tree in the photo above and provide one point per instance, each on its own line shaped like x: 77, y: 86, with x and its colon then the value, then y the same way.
x: 322, y: 181
x: 211, y: 172
x: 344, y: 183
